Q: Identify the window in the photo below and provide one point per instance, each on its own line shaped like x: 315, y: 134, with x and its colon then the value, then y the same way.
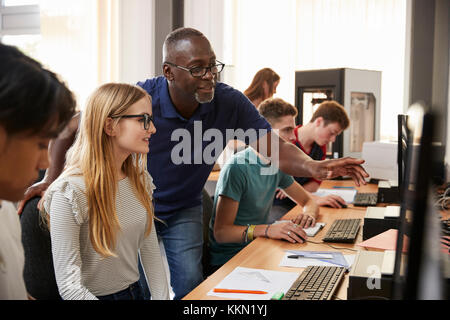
x: 292, y: 35
x: 63, y: 35
x: 86, y: 42
x: 20, y: 24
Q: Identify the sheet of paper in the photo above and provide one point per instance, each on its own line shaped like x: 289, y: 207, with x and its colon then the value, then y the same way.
x: 338, y: 260
x: 347, y: 194
x: 385, y: 241
x: 255, y: 279
x: 311, y: 231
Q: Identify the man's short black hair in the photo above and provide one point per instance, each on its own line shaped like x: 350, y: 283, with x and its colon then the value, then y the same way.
x: 181, y: 34
x: 32, y: 99
x: 177, y: 35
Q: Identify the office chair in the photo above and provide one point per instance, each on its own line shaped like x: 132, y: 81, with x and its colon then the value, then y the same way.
x: 38, y: 272
x: 207, y: 212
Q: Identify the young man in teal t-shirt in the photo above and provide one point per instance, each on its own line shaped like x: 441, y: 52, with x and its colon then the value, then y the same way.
x: 244, y: 195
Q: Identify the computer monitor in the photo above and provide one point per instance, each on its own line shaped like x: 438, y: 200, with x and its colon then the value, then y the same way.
x: 416, y: 257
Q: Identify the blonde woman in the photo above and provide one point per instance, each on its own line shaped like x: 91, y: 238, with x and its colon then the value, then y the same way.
x: 100, y: 210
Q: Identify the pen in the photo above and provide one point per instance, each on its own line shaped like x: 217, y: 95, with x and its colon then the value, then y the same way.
x: 296, y: 256
x: 238, y: 291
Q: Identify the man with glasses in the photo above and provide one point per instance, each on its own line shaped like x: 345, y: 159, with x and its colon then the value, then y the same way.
x: 189, y: 93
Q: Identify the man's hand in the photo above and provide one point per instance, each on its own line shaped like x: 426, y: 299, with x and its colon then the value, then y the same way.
x: 331, y: 200
x: 328, y: 169
x: 280, y: 194
x: 304, y: 220
x: 288, y: 231
x: 36, y: 190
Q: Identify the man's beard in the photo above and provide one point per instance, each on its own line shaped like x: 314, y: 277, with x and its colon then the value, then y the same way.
x: 205, y: 98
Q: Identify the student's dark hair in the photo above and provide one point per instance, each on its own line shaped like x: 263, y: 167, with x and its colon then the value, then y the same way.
x: 331, y: 111
x: 274, y: 108
x: 32, y: 99
x: 256, y: 90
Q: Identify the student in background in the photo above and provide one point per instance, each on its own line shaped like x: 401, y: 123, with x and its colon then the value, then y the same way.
x: 100, y: 208
x: 263, y: 86
x: 244, y: 195
x: 34, y: 107
x: 327, y: 122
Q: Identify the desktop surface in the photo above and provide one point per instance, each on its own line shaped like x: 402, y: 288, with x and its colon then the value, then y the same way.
x: 265, y: 253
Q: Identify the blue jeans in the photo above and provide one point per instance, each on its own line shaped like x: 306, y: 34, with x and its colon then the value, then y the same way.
x: 133, y: 292
x: 183, y: 243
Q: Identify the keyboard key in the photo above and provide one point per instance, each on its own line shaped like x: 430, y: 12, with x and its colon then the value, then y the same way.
x: 321, y: 285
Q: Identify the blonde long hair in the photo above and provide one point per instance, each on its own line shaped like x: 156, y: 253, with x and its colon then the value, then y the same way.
x: 92, y: 157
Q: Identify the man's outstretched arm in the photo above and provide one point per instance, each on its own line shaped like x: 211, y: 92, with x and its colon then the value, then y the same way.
x: 293, y: 161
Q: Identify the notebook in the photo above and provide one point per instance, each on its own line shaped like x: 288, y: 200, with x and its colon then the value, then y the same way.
x: 242, y: 278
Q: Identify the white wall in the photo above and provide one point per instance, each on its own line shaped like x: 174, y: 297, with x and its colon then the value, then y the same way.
x: 205, y: 16
x: 136, y: 39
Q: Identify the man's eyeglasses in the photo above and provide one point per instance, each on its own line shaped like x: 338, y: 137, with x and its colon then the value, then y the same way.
x: 199, y: 72
x: 145, y: 118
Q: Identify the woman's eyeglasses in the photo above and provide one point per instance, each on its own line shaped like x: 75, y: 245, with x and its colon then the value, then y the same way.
x: 145, y: 118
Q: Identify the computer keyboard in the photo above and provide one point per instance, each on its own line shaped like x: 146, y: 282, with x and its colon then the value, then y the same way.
x: 365, y: 199
x: 315, y: 283
x: 343, y: 230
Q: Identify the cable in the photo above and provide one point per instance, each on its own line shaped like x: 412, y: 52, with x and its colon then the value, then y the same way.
x: 337, y: 248
x: 444, y: 200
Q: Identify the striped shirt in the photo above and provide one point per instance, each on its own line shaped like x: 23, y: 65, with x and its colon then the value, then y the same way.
x: 82, y: 273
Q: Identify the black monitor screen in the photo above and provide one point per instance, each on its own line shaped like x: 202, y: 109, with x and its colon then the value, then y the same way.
x: 413, y: 236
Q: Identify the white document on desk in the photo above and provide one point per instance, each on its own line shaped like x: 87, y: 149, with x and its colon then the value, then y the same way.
x: 306, y: 262
x: 255, y: 279
x: 347, y: 194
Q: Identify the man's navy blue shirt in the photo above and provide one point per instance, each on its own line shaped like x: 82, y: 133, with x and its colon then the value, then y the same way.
x: 179, y: 186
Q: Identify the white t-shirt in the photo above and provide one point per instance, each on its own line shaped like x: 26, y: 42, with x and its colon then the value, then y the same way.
x: 12, y: 258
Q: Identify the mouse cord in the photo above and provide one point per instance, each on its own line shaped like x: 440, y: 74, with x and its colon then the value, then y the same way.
x: 337, y: 248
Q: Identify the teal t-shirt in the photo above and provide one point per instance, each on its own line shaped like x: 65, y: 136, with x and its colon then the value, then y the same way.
x: 243, y: 179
